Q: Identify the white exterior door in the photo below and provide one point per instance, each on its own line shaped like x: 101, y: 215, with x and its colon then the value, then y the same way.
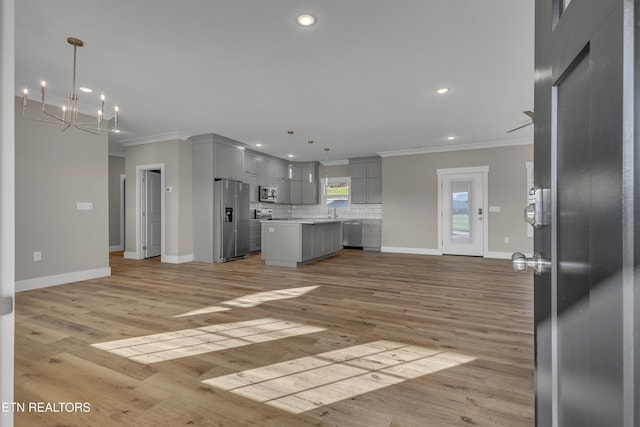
x: 462, y: 210
x: 151, y: 213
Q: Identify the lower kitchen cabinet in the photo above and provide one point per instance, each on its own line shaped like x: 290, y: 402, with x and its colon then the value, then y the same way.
x: 371, y: 234
x: 255, y: 240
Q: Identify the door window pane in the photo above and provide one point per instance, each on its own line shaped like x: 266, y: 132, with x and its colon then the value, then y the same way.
x: 460, y: 209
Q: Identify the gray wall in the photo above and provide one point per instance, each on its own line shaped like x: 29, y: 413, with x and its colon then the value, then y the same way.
x: 410, y: 196
x: 116, y: 168
x: 178, y: 233
x: 54, y: 171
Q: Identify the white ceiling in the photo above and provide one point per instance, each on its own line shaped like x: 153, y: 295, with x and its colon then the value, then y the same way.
x: 362, y: 80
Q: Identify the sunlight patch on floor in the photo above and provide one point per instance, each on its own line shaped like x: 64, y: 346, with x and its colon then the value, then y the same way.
x: 307, y: 383
x: 191, y: 342
x: 252, y: 300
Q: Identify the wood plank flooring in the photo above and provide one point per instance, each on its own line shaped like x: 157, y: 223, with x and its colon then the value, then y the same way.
x: 472, y: 309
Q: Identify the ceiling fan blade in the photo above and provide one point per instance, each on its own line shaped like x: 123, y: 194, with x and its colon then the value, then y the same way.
x: 520, y: 127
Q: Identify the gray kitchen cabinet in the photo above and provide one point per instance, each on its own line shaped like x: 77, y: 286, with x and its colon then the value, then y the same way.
x: 213, y: 156
x: 358, y: 190
x: 296, y: 173
x: 358, y: 169
x: 310, y: 192
x: 252, y: 166
x: 371, y: 232
x: 251, y: 163
x: 228, y: 162
x: 374, y: 190
x: 374, y: 169
x: 281, y: 171
x: 252, y: 180
x: 202, y: 196
x: 254, y: 235
x: 267, y: 176
x: 293, y: 243
x: 284, y: 190
x: 304, y: 192
x: 366, y: 180
x: 296, y: 192
x: 271, y: 171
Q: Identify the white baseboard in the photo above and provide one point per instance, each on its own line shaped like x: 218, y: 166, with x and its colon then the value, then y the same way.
x: 171, y: 259
x: 61, y: 279
x: 116, y: 248
x: 498, y: 255
x: 414, y: 251
x: 502, y: 255
x: 130, y: 255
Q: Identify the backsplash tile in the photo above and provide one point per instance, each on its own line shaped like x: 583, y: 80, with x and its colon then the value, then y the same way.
x: 367, y: 211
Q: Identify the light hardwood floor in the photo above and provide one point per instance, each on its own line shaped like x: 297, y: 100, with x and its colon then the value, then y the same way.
x: 374, y: 340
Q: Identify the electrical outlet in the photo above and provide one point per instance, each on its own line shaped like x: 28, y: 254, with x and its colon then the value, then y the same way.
x: 506, y: 239
x: 37, y: 256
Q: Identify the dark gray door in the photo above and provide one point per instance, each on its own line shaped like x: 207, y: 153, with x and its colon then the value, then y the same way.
x: 587, y: 304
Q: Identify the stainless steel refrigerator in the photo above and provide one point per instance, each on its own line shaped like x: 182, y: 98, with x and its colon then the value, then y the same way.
x: 230, y: 220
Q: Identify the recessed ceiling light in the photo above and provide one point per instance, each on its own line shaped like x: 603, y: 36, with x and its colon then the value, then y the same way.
x: 451, y: 138
x: 306, y: 20
x: 85, y: 89
x: 258, y: 145
x: 290, y: 155
x: 442, y: 90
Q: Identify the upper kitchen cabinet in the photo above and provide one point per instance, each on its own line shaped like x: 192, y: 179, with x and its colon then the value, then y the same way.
x: 252, y: 163
x: 252, y: 167
x: 304, y: 191
x: 228, y: 161
x: 366, y: 180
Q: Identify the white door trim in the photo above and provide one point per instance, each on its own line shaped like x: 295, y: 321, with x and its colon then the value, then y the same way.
x: 485, y: 201
x: 139, y: 170
x: 7, y: 203
x: 123, y: 178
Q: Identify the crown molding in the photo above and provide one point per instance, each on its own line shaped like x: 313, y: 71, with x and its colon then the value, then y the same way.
x: 446, y: 148
x: 155, y: 138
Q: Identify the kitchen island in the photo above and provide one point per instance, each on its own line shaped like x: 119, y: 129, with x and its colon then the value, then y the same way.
x: 294, y: 242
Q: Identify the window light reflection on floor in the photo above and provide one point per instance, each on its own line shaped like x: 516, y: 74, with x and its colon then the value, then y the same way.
x: 191, y: 342
x: 307, y: 383
x: 252, y: 300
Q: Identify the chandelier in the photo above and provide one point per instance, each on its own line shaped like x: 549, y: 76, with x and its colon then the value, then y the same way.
x: 68, y: 114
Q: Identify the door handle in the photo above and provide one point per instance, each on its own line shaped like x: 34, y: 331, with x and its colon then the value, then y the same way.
x: 6, y: 305
x: 521, y: 263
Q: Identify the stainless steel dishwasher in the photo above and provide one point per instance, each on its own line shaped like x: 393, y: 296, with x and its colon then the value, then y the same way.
x: 352, y: 233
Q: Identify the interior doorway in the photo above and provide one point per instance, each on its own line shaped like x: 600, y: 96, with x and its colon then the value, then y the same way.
x: 150, y: 211
x: 462, y: 210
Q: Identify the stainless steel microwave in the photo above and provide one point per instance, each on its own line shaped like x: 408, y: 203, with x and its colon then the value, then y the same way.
x: 268, y: 194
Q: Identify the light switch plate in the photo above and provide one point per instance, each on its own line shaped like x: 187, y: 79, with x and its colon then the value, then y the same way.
x: 84, y: 206
x: 494, y: 208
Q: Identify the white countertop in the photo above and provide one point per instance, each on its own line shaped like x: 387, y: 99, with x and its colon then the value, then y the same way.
x: 302, y: 220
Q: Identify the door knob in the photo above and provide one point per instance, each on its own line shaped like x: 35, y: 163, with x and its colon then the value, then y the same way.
x: 520, y: 262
